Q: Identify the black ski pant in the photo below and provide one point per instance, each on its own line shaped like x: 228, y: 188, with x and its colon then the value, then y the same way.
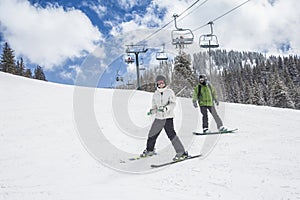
x: 214, y: 113
x: 155, y: 130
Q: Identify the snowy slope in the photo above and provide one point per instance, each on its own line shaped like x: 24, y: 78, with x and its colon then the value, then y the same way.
x: 45, y: 155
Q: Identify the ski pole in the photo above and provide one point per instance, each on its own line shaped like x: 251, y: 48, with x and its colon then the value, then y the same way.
x: 180, y: 91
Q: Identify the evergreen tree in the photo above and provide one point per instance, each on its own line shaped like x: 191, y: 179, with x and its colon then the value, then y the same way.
x: 183, y: 75
x: 8, y: 60
x: 20, y: 68
x: 199, y: 63
x: 248, y: 94
x: 39, y: 74
x: 279, y: 94
x: 292, y: 70
x: 297, y: 98
x: 28, y: 73
x: 257, y: 98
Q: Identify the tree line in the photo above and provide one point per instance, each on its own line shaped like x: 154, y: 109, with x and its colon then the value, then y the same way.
x: 239, y: 77
x: 252, y: 78
x: 9, y: 65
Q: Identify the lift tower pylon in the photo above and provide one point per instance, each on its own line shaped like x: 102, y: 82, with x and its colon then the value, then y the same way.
x: 136, y: 50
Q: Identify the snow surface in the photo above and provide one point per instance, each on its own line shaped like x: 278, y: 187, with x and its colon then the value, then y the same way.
x: 45, y: 152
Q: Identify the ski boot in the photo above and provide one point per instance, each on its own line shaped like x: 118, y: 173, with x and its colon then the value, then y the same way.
x: 222, y: 128
x: 147, y: 153
x: 206, y: 130
x: 181, y: 156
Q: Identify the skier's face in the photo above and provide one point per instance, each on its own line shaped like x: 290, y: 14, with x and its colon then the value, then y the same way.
x: 161, y: 84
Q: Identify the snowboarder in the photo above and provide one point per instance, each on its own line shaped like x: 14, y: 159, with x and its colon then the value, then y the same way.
x: 205, y: 95
x: 163, y: 103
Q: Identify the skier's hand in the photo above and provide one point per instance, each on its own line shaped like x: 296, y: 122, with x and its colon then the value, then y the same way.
x: 195, y: 104
x: 151, y: 111
x: 162, y: 109
x: 217, y: 102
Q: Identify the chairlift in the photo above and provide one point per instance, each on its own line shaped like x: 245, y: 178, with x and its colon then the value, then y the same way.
x: 180, y: 36
x: 209, y: 40
x: 119, y: 77
x: 141, y: 61
x: 129, y: 59
x: 161, y: 55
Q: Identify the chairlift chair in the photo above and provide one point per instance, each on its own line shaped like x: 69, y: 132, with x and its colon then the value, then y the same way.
x: 208, y: 41
x: 161, y: 56
x: 119, y: 78
x: 129, y: 59
x: 182, y: 37
x: 141, y: 61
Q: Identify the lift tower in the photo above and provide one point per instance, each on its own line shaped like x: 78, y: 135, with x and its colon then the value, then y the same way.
x: 136, y: 50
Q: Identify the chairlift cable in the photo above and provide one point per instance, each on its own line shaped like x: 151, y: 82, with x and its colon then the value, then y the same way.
x: 230, y: 10
x: 192, y: 10
x: 190, y: 7
x: 217, y: 18
x: 155, y: 32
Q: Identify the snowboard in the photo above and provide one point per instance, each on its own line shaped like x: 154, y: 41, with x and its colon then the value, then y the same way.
x: 216, y: 132
x: 173, y: 162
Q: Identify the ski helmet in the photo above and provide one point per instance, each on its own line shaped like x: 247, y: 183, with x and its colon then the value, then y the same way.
x: 161, y: 78
x: 203, y: 79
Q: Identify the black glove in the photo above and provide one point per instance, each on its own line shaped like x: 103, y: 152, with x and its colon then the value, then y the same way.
x: 162, y: 109
x: 195, y: 104
x: 217, y: 102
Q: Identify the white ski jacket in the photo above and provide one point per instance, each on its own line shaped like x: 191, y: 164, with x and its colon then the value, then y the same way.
x: 164, y: 100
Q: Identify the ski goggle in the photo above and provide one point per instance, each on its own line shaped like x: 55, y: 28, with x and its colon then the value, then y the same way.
x: 160, y: 82
x: 201, y: 79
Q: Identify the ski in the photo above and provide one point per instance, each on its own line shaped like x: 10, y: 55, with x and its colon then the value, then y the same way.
x: 137, y: 158
x: 217, y: 132
x: 173, y: 162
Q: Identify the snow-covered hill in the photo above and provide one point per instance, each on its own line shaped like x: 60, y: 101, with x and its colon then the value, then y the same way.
x: 46, y: 154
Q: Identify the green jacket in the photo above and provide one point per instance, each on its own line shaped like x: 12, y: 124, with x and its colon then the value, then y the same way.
x: 207, y: 97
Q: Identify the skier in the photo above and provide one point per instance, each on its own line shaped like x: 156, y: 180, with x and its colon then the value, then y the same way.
x: 205, y: 95
x: 163, y: 103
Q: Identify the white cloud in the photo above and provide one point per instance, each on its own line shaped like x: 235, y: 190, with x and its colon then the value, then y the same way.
x: 66, y: 75
x: 71, y: 73
x: 127, y: 4
x: 46, y: 36
x: 97, y: 8
x: 256, y: 26
x: 49, y: 36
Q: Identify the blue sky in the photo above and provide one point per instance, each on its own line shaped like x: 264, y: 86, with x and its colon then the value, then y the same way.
x: 59, y: 35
